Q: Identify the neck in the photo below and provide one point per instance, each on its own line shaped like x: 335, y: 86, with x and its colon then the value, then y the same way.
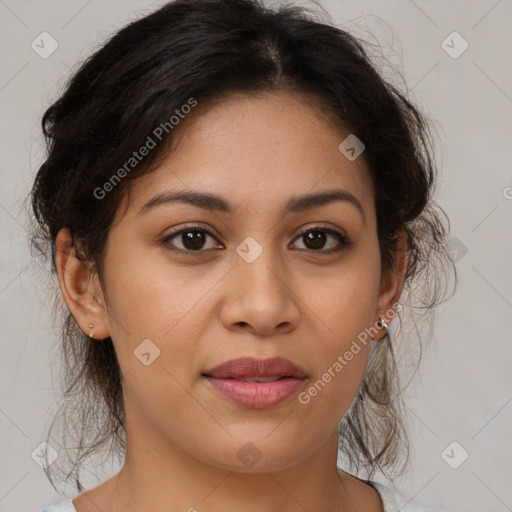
x: 159, y: 477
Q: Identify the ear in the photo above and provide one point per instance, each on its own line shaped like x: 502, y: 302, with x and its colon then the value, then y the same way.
x: 392, y: 281
x: 80, y: 288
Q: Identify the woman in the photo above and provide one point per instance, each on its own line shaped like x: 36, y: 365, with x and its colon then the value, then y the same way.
x: 236, y: 206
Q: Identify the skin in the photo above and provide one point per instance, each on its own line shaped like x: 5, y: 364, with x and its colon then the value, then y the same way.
x: 292, y: 301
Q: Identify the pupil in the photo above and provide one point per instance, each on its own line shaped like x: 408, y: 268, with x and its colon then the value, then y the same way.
x: 191, y: 241
x: 315, y: 238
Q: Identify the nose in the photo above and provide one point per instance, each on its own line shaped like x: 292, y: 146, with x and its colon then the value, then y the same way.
x: 259, y: 297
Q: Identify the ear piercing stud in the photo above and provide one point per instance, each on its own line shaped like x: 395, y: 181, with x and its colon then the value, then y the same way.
x: 383, y: 324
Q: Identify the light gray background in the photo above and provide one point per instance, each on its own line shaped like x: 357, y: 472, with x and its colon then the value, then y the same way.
x: 463, y: 392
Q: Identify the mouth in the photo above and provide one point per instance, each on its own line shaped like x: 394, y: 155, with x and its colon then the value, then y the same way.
x: 256, y: 383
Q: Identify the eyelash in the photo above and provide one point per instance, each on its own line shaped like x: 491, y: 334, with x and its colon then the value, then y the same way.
x: 344, y: 240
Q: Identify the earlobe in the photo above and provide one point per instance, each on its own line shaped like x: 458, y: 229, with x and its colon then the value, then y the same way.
x: 80, y: 287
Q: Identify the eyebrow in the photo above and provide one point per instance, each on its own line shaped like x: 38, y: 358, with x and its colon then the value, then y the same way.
x: 217, y: 203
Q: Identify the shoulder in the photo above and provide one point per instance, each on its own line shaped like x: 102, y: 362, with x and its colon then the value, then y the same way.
x: 62, y: 506
x: 393, y: 502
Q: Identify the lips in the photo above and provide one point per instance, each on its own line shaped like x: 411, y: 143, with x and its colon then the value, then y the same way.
x: 251, y: 369
x: 256, y: 383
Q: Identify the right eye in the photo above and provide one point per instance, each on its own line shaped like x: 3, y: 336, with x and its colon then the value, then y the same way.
x: 192, y: 239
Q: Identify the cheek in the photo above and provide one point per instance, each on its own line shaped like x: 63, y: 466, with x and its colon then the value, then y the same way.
x: 340, y: 359
x: 342, y: 312
x: 148, y: 296
x: 150, y: 299
x: 342, y: 304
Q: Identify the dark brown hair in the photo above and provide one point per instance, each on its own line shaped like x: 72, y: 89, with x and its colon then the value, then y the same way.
x: 206, y: 49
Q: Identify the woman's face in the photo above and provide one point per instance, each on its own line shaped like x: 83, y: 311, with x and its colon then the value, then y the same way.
x: 250, y: 284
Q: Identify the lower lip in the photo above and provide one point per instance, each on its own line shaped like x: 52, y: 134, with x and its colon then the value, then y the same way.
x: 257, y: 395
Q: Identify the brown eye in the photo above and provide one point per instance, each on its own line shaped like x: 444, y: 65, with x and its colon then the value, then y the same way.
x: 315, y: 239
x: 192, y: 239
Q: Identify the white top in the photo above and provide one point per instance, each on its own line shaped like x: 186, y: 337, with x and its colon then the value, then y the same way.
x: 393, y: 502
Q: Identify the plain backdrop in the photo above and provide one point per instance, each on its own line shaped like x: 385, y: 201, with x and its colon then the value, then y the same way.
x: 460, y: 402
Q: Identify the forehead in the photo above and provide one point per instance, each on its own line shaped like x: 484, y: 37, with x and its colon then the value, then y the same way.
x: 258, y: 151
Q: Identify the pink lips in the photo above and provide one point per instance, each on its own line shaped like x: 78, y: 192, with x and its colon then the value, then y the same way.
x: 256, y: 383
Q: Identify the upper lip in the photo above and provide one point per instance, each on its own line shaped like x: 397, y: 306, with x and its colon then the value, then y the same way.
x: 252, y: 367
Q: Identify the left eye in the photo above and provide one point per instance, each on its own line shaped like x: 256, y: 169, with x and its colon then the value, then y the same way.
x: 316, y: 238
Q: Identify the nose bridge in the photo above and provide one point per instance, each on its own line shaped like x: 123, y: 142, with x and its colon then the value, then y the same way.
x: 257, y: 264
x: 257, y: 294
